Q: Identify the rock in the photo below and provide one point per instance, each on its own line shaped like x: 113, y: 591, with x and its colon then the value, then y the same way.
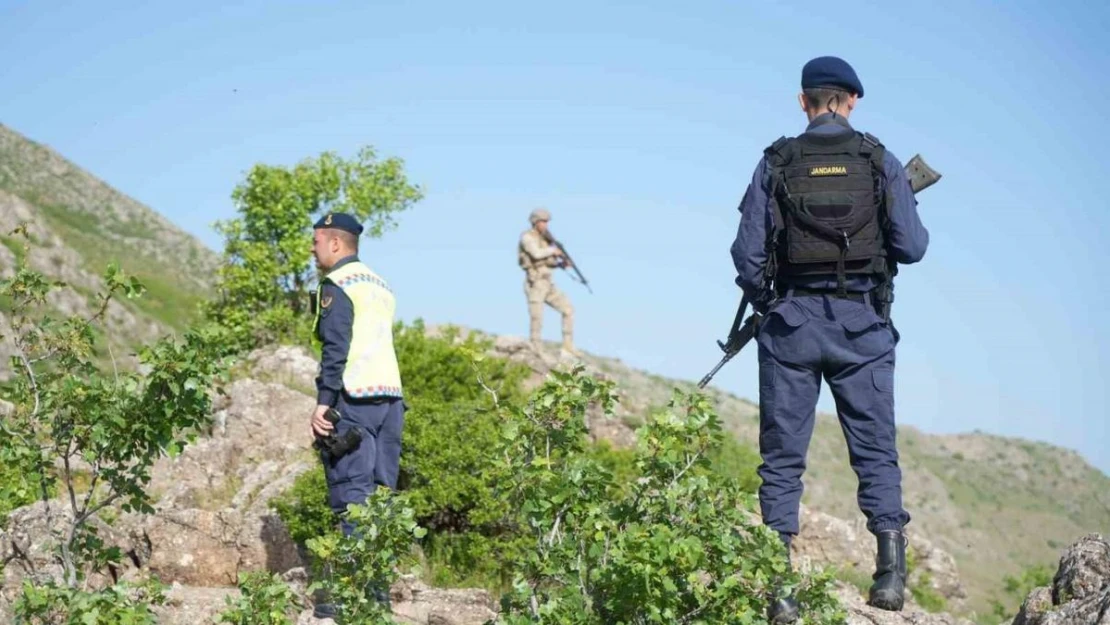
x: 186, y: 605
x: 205, y: 548
x: 212, y: 519
x: 1080, y: 592
x: 824, y: 540
x: 414, y: 603
x: 859, y: 613
x: 290, y: 365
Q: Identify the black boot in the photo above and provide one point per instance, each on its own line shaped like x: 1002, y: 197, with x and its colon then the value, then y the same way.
x: 783, y: 608
x: 890, y: 571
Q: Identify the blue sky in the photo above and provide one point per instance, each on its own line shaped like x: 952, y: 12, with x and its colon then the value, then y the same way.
x: 638, y: 125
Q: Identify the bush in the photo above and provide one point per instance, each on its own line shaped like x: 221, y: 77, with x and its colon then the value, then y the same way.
x: 303, y: 508
x: 264, y: 599
x: 51, y: 603
x: 1018, y: 587
x: 450, y: 430
x: 90, y: 435
x: 362, y: 564
x: 680, y: 545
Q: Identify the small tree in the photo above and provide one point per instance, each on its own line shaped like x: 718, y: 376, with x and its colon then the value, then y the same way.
x: 263, y: 290
x: 89, y: 436
x: 362, y: 565
x: 682, y: 545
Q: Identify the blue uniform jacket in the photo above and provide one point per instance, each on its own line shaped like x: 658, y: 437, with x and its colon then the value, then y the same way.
x: 908, y: 236
x: 334, y: 331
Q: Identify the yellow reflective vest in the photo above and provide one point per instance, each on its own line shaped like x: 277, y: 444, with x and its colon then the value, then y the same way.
x: 371, y: 369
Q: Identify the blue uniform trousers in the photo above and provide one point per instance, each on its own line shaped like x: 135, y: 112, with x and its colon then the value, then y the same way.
x: 376, y: 461
x: 803, y: 339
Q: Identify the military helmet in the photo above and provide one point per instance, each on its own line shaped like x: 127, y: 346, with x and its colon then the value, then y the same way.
x: 540, y: 214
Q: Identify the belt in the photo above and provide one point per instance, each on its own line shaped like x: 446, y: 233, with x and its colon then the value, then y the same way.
x: 850, y: 295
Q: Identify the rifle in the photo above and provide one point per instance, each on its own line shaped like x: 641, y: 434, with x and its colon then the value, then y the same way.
x: 581, y: 278
x: 738, y: 337
x: 920, y: 175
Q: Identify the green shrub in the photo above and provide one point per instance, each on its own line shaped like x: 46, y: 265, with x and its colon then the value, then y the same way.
x: 364, y: 562
x: 737, y: 461
x: 264, y: 599
x: 450, y: 431
x: 51, y: 603
x: 678, y: 546
x: 1018, y: 587
x: 304, y: 507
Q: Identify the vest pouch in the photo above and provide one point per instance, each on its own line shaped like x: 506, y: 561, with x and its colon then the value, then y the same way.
x: 824, y: 224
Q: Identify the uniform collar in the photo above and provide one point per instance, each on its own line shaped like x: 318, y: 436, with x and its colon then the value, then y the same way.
x: 343, y: 261
x: 828, y: 118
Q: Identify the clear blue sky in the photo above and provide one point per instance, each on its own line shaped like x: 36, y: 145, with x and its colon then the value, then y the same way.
x: 638, y: 125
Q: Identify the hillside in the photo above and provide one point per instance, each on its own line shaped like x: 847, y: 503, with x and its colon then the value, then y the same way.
x: 998, y: 505
x: 214, y: 518
x: 79, y: 224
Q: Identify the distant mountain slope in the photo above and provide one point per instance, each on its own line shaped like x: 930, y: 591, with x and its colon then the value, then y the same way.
x: 998, y: 505
x: 79, y: 225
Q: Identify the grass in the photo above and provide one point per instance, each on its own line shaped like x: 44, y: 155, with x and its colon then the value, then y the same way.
x: 167, y: 301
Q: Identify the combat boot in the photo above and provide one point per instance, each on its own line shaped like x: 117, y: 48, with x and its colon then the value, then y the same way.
x: 783, y: 608
x: 887, y: 593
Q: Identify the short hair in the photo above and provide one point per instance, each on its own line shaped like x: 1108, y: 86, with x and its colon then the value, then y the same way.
x: 819, y: 98
x: 348, y: 239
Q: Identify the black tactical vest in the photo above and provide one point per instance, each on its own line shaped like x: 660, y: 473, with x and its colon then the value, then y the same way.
x: 830, y: 216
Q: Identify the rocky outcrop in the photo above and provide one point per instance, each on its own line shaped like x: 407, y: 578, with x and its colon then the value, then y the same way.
x: 828, y: 540
x: 1080, y: 591
x: 212, y: 519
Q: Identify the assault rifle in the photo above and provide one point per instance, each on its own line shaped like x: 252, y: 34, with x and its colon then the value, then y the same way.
x: 920, y: 175
x: 581, y: 278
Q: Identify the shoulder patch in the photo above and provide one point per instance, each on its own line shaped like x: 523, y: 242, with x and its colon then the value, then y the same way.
x: 325, y: 301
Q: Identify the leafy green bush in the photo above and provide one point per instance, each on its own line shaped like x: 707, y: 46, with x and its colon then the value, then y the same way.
x: 123, y: 604
x: 681, y: 545
x: 737, y: 461
x: 304, y: 506
x: 93, y: 435
x: 264, y: 599
x: 363, y: 563
x: 1018, y: 587
x: 450, y: 429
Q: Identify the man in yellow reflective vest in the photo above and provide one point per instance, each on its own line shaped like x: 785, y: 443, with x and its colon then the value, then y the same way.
x: 359, y: 376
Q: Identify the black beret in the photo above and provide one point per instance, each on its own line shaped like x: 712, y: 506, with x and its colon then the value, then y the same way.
x: 340, y: 221
x: 830, y: 71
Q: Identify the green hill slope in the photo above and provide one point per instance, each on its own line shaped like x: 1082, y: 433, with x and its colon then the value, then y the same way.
x: 79, y: 224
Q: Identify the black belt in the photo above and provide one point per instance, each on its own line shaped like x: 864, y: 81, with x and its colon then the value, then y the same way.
x: 850, y: 295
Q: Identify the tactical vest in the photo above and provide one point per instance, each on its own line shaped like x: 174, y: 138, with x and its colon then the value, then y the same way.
x: 829, y: 213
x: 371, y: 369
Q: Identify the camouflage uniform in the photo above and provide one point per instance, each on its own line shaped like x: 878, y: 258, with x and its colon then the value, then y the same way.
x: 538, y: 258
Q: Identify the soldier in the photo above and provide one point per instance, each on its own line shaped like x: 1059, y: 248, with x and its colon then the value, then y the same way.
x: 359, y: 375
x: 823, y: 223
x: 537, y: 257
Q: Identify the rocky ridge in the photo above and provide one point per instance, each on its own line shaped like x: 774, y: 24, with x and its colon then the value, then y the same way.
x: 212, y: 519
x: 996, y: 505
x: 1080, y: 590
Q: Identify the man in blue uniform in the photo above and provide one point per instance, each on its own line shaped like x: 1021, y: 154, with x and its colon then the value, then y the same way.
x: 359, y: 376
x: 827, y: 218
